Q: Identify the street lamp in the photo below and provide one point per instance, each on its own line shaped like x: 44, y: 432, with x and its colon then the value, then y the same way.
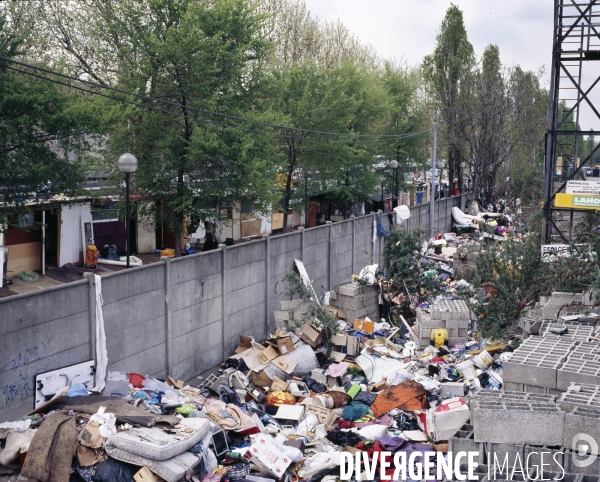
x: 128, y: 164
x: 394, y: 166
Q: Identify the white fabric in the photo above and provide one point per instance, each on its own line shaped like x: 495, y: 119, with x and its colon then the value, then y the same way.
x: 19, y: 426
x: 265, y: 224
x: 374, y: 230
x: 460, y: 217
x: 402, y: 214
x: 101, y: 352
x: 372, y: 432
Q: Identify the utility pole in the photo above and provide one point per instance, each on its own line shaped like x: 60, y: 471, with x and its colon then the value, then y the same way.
x: 432, y: 198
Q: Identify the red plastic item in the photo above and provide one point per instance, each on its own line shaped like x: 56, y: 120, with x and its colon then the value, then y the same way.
x: 136, y: 379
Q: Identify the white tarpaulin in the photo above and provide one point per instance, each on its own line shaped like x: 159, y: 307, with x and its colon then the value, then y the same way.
x: 101, y: 352
x: 402, y: 214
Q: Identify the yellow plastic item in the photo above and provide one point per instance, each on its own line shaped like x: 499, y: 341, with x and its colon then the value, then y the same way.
x: 168, y: 252
x: 439, y: 336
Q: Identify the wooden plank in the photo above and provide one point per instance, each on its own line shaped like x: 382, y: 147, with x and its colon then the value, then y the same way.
x: 489, y: 349
x: 25, y: 257
x: 250, y: 228
x: 277, y: 221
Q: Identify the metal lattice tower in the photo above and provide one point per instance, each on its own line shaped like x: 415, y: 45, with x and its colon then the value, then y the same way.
x: 573, y: 87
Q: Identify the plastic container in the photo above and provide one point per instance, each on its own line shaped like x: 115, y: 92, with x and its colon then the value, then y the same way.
x: 467, y: 369
x: 483, y: 360
x: 117, y: 384
x: 325, y: 401
x: 136, y: 380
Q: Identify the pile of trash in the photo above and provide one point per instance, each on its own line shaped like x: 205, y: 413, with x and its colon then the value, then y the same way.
x: 283, y: 409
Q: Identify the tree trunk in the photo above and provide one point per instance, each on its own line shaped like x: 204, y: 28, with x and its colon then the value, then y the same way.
x: 288, y: 185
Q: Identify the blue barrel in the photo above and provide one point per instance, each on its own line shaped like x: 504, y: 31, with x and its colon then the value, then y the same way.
x: 420, y: 197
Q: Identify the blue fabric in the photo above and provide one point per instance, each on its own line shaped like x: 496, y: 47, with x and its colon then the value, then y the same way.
x: 380, y: 227
x: 77, y: 390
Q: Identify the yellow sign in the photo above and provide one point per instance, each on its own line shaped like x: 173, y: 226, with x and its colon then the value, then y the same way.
x: 577, y: 201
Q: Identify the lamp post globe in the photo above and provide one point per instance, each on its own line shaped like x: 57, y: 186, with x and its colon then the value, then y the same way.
x: 394, y: 164
x: 127, y: 163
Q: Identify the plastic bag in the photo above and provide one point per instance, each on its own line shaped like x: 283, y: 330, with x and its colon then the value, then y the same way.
x: 110, y: 252
x: 112, y: 471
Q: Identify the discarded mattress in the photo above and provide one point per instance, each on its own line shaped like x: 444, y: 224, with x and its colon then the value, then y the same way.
x: 171, y: 470
x: 133, y: 261
x: 157, y: 444
x: 463, y: 219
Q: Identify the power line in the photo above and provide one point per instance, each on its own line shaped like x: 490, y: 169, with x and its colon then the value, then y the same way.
x: 379, y: 137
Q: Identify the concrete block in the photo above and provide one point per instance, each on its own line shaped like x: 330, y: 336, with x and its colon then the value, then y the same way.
x: 577, y: 395
x: 550, y: 457
x: 498, y: 452
x: 463, y: 441
x: 537, y: 361
x: 584, y: 465
x: 534, y: 389
x: 583, y: 421
x: 289, y: 305
x: 513, y: 387
x: 284, y: 315
x: 517, y: 418
x: 457, y: 389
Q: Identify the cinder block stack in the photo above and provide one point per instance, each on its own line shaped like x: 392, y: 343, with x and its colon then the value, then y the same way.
x: 534, y: 365
x: 356, y: 301
x: 575, y: 331
x: 290, y: 311
x: 530, y: 323
x: 562, y: 303
x: 582, y: 421
x: 517, y: 418
x: 581, y: 366
x: 453, y: 315
x: 578, y: 395
x: 464, y: 259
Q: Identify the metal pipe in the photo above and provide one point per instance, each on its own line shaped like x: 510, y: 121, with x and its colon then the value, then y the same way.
x: 127, y: 177
x: 432, y: 198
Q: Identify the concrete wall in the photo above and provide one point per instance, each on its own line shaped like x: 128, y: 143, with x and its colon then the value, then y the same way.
x: 178, y: 317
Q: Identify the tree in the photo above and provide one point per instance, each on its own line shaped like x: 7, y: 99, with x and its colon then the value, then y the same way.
x: 41, y: 123
x: 195, y: 54
x: 500, y: 117
x: 444, y: 71
x: 346, y: 99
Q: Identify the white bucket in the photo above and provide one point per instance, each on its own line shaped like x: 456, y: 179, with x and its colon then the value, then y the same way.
x: 483, y: 360
x: 325, y: 401
x: 466, y: 369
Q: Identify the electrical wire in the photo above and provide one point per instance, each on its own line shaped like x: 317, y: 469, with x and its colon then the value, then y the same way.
x: 378, y: 137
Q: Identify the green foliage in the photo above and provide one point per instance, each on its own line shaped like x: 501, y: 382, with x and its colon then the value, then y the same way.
x: 512, y: 274
x: 39, y: 120
x: 400, y: 252
x: 295, y: 285
x: 317, y: 315
x: 201, y: 54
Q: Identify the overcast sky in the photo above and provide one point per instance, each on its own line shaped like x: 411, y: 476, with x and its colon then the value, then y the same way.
x: 406, y: 29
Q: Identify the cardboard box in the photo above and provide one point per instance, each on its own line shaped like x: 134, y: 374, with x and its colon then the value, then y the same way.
x: 285, y: 363
x: 348, y: 344
x: 146, y: 475
x: 268, y: 354
x: 364, y: 325
x: 282, y: 342
x: 279, y: 385
x: 178, y: 384
x: 311, y: 335
x: 267, y: 457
